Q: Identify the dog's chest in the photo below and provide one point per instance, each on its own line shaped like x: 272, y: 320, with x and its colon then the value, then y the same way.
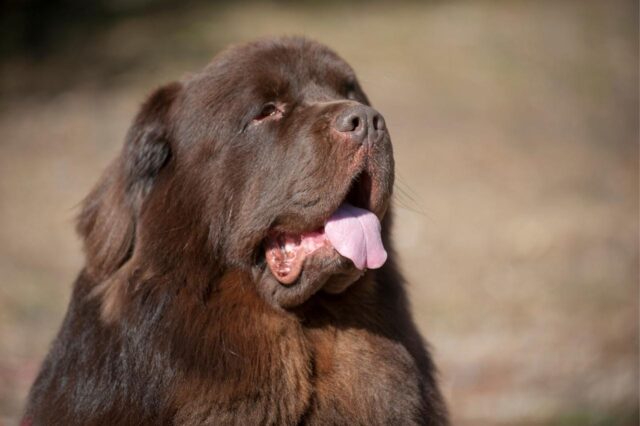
x: 321, y: 376
x: 361, y: 378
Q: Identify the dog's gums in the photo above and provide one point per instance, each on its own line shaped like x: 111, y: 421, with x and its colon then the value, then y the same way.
x: 351, y: 231
x: 286, y: 252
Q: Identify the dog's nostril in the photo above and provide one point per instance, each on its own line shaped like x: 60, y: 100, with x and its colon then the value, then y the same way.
x: 360, y: 123
x: 378, y: 122
x: 355, y: 123
x: 352, y: 121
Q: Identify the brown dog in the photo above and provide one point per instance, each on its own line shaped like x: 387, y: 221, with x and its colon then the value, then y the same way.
x: 237, y: 268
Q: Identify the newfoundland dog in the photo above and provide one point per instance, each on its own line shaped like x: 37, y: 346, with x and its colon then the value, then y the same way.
x: 239, y: 269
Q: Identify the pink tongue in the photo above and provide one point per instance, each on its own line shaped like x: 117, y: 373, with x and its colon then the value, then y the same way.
x: 355, y: 234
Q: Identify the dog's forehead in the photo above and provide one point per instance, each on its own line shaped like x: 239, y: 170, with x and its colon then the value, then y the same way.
x: 241, y: 79
x: 272, y: 67
x: 298, y: 57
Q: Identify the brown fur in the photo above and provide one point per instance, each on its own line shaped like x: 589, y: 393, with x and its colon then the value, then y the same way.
x: 176, y: 319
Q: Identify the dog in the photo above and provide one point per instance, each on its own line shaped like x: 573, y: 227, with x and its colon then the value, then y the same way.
x: 239, y: 268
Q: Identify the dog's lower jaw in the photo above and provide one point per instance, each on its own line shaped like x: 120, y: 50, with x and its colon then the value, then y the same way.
x: 332, y: 274
x: 340, y: 282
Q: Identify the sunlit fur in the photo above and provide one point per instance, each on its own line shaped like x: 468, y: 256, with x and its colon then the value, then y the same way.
x: 176, y: 320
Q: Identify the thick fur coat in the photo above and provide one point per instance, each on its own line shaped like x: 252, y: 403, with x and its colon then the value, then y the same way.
x: 179, y: 315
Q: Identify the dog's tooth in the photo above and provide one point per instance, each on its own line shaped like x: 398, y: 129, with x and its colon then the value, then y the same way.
x: 275, y: 255
x: 283, y: 269
x: 282, y: 243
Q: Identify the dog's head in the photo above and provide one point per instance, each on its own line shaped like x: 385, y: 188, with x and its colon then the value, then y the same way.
x: 270, y: 161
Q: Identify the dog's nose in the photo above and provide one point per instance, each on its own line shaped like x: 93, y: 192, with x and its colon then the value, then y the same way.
x: 361, y: 123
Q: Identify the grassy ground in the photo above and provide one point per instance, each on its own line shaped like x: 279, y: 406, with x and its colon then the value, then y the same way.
x: 516, y: 140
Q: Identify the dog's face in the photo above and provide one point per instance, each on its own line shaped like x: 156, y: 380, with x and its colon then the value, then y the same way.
x: 270, y: 160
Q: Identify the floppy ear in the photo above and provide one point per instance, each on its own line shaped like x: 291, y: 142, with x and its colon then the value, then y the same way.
x: 107, y: 221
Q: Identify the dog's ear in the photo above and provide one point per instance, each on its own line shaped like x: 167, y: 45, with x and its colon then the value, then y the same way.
x: 107, y: 220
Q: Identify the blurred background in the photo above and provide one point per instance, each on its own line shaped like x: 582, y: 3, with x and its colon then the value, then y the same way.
x: 515, y: 125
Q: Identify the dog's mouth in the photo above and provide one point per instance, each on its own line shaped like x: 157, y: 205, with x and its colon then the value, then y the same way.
x: 353, y: 231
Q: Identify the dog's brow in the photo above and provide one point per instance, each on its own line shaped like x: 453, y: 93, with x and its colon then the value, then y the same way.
x: 315, y: 92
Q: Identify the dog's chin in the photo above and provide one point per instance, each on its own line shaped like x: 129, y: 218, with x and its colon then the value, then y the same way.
x: 323, y: 270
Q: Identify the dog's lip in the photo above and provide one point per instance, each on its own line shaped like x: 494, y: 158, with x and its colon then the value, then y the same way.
x: 287, y: 251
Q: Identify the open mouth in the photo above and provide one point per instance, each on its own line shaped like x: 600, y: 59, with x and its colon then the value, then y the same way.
x: 352, y: 231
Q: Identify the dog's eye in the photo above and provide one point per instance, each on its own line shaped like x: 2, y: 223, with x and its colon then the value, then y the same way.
x: 350, y: 90
x: 269, y: 109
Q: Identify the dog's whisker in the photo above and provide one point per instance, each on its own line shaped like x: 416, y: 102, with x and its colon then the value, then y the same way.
x: 407, y: 198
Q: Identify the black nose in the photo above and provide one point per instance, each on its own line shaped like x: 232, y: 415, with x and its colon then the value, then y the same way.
x: 361, y: 123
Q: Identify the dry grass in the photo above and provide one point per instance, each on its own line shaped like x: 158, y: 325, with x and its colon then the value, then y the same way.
x: 516, y: 139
